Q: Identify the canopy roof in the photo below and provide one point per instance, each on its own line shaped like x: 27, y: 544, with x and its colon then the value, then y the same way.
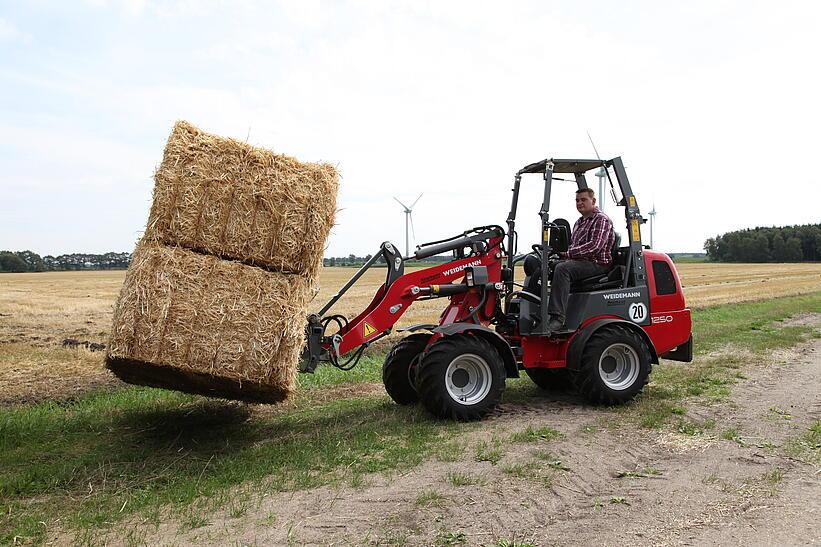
x: 562, y: 166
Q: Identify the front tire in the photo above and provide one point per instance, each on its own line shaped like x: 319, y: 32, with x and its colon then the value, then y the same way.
x: 461, y: 378
x: 615, y: 366
x: 399, y: 369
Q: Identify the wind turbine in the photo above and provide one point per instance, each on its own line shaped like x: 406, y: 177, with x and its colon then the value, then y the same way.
x: 601, y: 174
x: 408, y: 219
x: 652, y: 214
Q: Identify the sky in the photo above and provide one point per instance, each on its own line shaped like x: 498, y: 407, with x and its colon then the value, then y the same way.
x: 713, y: 106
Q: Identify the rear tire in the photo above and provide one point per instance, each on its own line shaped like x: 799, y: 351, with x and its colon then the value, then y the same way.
x: 614, y: 367
x: 461, y: 378
x: 551, y: 379
x: 399, y: 369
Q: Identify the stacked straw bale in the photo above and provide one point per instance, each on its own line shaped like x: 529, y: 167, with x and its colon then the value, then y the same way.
x: 197, y: 323
x: 226, y: 198
x: 216, y: 296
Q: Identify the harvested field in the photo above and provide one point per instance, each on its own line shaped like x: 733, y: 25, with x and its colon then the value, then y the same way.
x: 39, y: 310
x: 708, y: 284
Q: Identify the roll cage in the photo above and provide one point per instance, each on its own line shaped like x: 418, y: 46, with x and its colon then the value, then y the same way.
x: 634, y: 274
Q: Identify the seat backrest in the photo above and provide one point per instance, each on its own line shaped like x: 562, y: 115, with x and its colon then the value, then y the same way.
x: 560, y: 238
x: 532, y: 265
x: 616, y: 243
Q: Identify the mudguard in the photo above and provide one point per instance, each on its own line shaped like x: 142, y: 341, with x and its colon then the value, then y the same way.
x: 491, y: 336
x: 574, y: 352
x: 683, y: 353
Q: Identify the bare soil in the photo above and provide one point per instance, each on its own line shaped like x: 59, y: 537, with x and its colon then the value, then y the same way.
x: 604, y: 482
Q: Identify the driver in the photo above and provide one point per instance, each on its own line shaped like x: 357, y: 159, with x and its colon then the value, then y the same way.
x: 589, y: 254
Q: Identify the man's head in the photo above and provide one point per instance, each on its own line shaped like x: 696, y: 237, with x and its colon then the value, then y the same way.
x: 585, y: 201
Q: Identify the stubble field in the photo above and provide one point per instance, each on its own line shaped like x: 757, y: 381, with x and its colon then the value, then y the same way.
x: 40, y: 310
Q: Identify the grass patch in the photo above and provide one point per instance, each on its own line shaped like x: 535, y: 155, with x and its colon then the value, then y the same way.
x: 369, y: 369
x: 430, y: 498
x: 734, y: 435
x: 542, y: 470
x: 451, y: 538
x: 774, y: 476
x: 531, y: 435
x: 142, y: 448
x: 192, y: 521
x: 779, y: 413
x: 462, y: 479
x: 450, y: 451
x: 639, y: 473
x: 806, y: 447
x: 527, y: 470
x: 551, y: 460
x: 395, y: 537
x: 752, y: 326
x: 489, y: 451
x: 692, y: 428
x: 504, y: 542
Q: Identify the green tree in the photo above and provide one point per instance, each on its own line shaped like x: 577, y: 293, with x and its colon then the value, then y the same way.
x: 761, y: 248
x: 793, y: 250
x: 34, y: 263
x: 711, y: 248
x: 10, y: 262
x: 779, y: 253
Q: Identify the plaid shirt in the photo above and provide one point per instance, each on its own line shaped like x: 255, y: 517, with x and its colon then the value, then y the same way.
x: 593, y: 239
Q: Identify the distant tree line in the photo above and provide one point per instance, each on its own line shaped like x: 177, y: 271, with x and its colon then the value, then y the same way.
x: 777, y: 244
x: 28, y: 261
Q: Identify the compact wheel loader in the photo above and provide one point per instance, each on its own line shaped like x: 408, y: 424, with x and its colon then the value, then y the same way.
x: 618, y: 323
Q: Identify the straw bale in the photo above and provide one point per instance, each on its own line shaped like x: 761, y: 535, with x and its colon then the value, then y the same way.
x: 226, y: 198
x: 200, y: 324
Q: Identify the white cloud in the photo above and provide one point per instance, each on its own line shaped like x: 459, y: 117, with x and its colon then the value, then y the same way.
x: 10, y: 33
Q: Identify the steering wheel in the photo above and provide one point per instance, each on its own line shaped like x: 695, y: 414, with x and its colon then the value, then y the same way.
x: 537, y: 250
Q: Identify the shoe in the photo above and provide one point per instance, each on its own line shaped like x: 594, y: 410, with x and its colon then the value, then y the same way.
x: 555, y: 324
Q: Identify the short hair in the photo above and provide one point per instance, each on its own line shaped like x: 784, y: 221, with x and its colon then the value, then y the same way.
x: 588, y: 191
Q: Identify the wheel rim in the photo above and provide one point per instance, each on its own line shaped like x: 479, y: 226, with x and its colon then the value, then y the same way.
x: 619, y: 366
x: 468, y: 379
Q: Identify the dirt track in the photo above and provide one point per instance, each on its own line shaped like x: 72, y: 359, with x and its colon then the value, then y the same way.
x: 621, y: 485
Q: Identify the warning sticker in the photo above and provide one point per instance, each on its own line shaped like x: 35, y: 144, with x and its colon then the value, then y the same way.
x: 368, y: 329
x: 634, y: 227
x: 632, y: 201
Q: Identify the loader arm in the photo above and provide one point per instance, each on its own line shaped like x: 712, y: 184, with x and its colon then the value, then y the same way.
x: 399, y: 292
